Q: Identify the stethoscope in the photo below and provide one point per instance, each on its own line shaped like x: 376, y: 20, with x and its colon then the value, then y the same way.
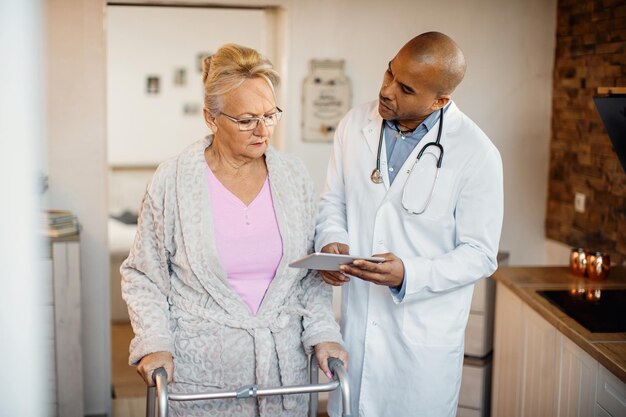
x: 377, y: 177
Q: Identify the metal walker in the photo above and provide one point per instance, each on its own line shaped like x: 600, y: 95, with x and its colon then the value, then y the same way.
x: 158, y: 395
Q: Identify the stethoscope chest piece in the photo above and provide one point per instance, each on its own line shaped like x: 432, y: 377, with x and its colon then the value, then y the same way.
x: 376, y: 177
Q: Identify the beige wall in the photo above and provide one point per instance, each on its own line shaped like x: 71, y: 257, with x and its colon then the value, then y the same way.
x: 146, y: 129
x: 25, y: 324
x: 77, y: 168
x: 509, y: 47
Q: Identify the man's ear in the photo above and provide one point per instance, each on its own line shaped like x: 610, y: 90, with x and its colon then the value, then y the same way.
x: 441, y: 101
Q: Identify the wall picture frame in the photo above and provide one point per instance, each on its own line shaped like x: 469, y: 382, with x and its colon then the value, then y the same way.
x: 326, y: 98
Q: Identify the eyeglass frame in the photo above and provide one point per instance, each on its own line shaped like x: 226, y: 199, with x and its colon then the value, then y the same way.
x: 278, y: 114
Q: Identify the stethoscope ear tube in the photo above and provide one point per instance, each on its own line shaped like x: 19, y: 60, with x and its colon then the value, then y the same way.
x: 377, y: 177
x: 436, y: 144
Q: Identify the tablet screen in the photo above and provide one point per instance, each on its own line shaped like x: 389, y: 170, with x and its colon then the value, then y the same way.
x: 329, y: 261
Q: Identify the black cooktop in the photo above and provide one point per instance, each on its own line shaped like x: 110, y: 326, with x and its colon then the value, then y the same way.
x: 599, y: 311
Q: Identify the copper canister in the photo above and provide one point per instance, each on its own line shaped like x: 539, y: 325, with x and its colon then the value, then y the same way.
x: 598, y: 266
x: 578, y: 261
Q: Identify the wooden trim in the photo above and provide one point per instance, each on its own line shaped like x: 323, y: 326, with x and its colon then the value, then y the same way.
x: 188, y: 5
x: 605, y: 91
x: 138, y: 167
x: 69, y: 238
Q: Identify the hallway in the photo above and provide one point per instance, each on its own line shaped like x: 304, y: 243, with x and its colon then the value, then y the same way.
x: 129, y: 390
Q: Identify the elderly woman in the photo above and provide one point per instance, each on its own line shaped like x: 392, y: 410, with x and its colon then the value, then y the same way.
x: 210, y: 295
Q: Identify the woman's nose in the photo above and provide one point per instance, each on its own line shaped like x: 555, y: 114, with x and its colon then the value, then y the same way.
x: 261, y: 129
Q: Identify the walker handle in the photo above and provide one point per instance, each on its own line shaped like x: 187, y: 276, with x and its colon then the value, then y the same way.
x: 157, y: 395
x: 336, y: 366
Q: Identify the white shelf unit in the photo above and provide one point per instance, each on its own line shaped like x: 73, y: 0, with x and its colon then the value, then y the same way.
x: 64, y: 335
x: 475, y: 394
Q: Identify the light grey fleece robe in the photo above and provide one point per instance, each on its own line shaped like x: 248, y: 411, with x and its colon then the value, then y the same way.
x: 180, y: 301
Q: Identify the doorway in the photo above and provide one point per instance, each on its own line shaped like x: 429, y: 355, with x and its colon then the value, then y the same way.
x: 154, y: 110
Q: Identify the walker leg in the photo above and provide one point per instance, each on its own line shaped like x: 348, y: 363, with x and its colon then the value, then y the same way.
x: 313, y: 380
x: 337, y: 367
x: 150, y: 411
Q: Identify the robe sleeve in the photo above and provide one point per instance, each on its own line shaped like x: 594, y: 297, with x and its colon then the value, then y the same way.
x: 146, y: 282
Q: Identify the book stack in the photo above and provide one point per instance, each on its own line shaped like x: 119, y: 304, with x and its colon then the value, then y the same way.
x: 60, y: 223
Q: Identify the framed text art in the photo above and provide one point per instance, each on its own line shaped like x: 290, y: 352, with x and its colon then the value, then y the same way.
x: 326, y: 97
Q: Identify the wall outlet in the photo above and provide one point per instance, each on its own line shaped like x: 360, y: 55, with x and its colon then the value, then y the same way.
x: 579, y: 202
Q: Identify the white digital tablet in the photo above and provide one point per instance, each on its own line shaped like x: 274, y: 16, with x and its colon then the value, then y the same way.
x: 329, y: 261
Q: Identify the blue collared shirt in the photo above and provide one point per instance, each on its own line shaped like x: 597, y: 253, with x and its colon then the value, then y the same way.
x: 399, y: 146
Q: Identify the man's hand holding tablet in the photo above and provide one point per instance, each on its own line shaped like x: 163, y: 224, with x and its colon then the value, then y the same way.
x: 329, y: 261
x: 387, y: 269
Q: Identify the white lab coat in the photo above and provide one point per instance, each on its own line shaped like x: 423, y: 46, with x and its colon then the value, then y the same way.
x: 406, y: 355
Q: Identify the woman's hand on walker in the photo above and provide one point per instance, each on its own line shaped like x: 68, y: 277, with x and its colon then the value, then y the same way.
x: 326, y: 350
x: 153, y: 361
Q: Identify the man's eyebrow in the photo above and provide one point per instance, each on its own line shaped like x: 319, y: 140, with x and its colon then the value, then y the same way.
x: 406, y: 87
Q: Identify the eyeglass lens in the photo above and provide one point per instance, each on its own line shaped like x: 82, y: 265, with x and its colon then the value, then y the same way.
x: 251, y: 123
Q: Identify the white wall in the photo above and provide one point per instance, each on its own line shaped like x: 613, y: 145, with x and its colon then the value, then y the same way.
x: 509, y: 46
x: 77, y: 168
x: 25, y: 372
x: 146, y: 129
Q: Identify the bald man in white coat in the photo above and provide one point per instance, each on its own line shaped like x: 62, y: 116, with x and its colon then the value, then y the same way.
x: 434, y: 216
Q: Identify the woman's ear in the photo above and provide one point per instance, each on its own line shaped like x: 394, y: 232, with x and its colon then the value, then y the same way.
x: 209, y: 119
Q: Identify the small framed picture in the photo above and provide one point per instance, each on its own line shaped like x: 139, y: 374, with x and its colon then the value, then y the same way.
x: 191, y: 108
x: 180, y: 76
x: 200, y: 57
x: 152, y: 84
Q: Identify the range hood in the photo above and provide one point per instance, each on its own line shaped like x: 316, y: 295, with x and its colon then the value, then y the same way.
x: 611, y: 104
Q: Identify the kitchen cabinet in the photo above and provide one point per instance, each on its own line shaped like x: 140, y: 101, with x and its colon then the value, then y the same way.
x: 479, y: 330
x: 538, y: 365
x: 507, y: 355
x: 524, y: 358
x: 611, y: 393
x: 475, y: 392
x: 600, y: 412
x: 474, y: 396
x: 578, y: 380
x: 538, y: 371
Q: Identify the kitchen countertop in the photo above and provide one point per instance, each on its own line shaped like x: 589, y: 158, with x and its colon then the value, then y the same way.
x: 609, y: 349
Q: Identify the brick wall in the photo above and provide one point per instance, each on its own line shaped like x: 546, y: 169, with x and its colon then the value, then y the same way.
x: 590, y: 53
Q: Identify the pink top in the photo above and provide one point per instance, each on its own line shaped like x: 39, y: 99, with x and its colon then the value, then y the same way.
x: 248, y: 240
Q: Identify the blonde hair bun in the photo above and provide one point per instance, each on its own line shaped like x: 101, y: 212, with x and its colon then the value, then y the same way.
x: 206, y: 67
x: 228, y: 68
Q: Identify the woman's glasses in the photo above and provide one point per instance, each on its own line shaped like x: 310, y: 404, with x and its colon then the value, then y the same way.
x: 251, y: 123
